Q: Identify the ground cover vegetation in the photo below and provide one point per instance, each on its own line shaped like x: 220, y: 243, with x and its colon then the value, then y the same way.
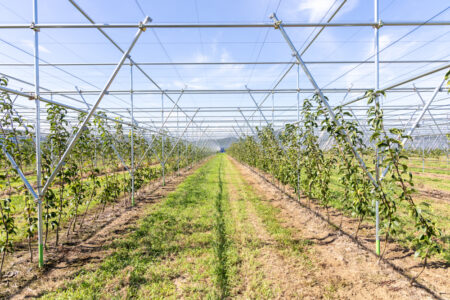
x: 96, y: 173
x: 334, y: 176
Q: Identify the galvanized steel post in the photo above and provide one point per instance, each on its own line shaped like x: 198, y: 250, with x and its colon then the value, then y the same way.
x: 38, y: 137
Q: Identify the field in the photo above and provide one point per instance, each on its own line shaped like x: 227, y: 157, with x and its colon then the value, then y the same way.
x: 224, y: 149
x: 431, y: 194
x: 226, y: 231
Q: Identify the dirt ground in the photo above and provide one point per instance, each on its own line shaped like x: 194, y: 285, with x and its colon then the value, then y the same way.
x: 435, y: 194
x: 348, y: 266
x: 274, y: 269
x: 333, y: 265
x: 432, y: 175
x: 87, y: 247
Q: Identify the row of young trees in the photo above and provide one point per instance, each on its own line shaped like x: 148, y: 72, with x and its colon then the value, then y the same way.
x: 95, y: 173
x: 336, y: 176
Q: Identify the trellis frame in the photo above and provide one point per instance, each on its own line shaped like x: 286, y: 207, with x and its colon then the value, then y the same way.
x: 163, y: 130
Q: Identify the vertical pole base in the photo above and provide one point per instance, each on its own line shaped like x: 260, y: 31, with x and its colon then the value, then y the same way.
x: 132, y: 190
x: 377, y: 228
x: 41, y: 255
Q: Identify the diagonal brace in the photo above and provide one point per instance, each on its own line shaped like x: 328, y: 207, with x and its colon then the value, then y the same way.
x: 417, y: 121
x: 257, y: 106
x: 22, y: 176
x: 94, y: 107
x: 182, y: 134
x: 278, y: 25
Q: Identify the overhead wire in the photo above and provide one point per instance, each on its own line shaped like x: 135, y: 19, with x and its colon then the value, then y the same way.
x: 57, y: 67
x: 386, y: 47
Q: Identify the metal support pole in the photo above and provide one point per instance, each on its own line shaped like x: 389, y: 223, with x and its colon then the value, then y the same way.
x: 257, y: 106
x: 82, y: 97
x: 93, y: 108
x: 19, y: 171
x: 321, y: 29
x: 423, y: 158
x: 132, y: 134
x: 410, y: 118
x: 429, y: 112
x: 50, y: 101
x: 248, y: 124
x: 179, y: 138
x: 178, y: 148
x: 394, y: 85
x: 363, y: 128
x: 435, y: 143
x: 121, y: 50
x: 323, y: 99
x: 298, y: 132
x: 220, y: 25
x: 240, y: 128
x: 417, y: 121
x: 113, y: 146
x: 173, y: 107
x: 38, y: 137
x: 273, y: 110
x: 377, y: 86
x: 276, y: 85
x: 238, y: 135
x: 163, y: 162
x: 145, y: 152
x: 159, y: 131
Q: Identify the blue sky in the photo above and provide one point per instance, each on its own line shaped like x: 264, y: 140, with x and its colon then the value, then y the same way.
x: 212, y: 45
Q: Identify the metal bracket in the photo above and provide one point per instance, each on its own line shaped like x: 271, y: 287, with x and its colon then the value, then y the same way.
x: 379, y: 25
x: 33, y: 27
x: 277, y: 23
x: 142, y: 24
x: 32, y: 96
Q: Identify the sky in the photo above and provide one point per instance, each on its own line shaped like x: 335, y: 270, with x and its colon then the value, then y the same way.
x: 224, y: 45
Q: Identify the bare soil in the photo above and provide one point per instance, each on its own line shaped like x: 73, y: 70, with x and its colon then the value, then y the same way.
x: 437, y: 194
x: 284, y: 275
x: 86, y: 248
x: 432, y: 175
x: 346, y: 267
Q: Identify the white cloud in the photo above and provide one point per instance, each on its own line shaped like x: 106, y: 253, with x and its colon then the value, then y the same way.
x: 30, y: 44
x: 384, y: 40
x: 315, y: 8
x: 200, y: 58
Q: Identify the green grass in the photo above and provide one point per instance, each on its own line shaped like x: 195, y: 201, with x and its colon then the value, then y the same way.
x: 197, y: 243
x: 250, y: 281
x: 18, y: 201
x: 436, y: 163
x: 270, y: 217
x: 436, y: 183
x: 437, y: 210
x: 252, y: 215
x: 19, y: 205
x: 178, y: 249
x: 418, y: 169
